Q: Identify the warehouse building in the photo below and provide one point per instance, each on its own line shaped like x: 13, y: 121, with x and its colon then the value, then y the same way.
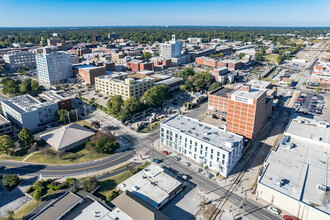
x: 296, y: 176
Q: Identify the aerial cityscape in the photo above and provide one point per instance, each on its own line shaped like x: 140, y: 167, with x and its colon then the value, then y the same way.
x: 158, y: 110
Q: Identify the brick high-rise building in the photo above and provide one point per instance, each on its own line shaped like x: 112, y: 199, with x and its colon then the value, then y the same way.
x: 247, y: 109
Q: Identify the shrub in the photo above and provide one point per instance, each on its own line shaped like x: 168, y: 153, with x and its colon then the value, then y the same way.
x: 29, y: 190
x: 37, y: 194
x: 90, y: 184
x: 10, y: 181
x: 70, y: 181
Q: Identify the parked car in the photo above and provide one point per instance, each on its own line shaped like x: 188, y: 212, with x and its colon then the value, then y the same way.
x: 287, y: 217
x: 274, y: 210
x: 48, y: 126
x: 186, y: 163
x: 165, y: 152
x: 314, y: 98
x: 157, y: 161
x: 317, y: 111
x: 207, y: 175
x: 2, y: 167
x: 176, y: 158
x: 182, y: 176
x: 197, y: 169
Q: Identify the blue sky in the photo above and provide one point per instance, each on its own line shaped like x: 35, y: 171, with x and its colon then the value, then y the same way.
x: 48, y: 13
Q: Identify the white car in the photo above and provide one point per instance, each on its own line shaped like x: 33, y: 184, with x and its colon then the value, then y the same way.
x: 207, y: 175
x: 182, y: 176
x: 186, y: 163
x: 274, y: 210
x: 197, y: 169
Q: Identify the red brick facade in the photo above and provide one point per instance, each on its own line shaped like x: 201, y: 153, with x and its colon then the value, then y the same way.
x: 89, y: 74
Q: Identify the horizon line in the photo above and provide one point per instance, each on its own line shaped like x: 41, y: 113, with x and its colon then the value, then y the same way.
x: 166, y: 26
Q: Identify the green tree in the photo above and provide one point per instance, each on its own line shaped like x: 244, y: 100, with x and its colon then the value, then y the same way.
x: 10, y: 181
x: 96, y: 125
x: 25, y: 138
x: 258, y: 56
x: 62, y: 113
x: 7, y: 145
x: 155, y: 96
x: 318, y: 90
x: 131, y: 105
x: 35, y: 88
x: 37, y: 194
x: 186, y: 72
x: 241, y: 55
x: 90, y: 184
x: 147, y: 55
x: 106, y: 145
x: 25, y: 86
x: 114, y: 104
x: 214, y: 86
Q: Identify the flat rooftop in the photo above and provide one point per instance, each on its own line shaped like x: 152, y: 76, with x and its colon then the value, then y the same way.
x: 222, y: 92
x: 252, y: 94
x: 90, y: 209
x: 309, y: 129
x: 300, y: 169
x: 207, y: 133
x: 151, y: 184
x: 25, y: 103
x: 259, y: 84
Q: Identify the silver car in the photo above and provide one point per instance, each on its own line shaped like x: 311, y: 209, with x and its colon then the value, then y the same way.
x: 186, y: 163
x: 197, y: 169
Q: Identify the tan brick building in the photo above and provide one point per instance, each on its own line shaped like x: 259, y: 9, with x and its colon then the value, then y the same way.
x: 247, y: 109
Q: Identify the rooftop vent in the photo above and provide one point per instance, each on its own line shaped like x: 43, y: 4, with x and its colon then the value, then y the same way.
x: 322, y: 187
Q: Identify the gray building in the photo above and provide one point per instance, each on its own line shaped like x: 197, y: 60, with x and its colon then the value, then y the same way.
x: 5, y: 126
x: 20, y: 60
x: 53, y: 68
x: 28, y: 112
x: 171, y: 49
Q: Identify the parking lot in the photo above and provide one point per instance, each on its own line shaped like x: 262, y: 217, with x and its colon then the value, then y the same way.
x: 312, y: 103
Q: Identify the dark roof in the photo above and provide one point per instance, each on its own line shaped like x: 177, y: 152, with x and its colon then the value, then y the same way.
x: 222, y: 92
x: 137, y: 208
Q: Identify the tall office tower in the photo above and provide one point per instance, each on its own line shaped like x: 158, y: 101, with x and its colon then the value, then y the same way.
x: 53, y: 67
x: 171, y: 49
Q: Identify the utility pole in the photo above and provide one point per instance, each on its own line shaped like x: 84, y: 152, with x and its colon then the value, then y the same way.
x: 76, y: 114
x: 85, y: 112
x: 69, y: 117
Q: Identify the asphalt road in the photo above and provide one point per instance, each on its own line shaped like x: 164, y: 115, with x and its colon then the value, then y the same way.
x: 23, y: 168
x: 252, y: 209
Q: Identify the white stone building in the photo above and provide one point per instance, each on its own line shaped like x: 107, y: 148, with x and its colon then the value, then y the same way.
x: 171, y: 49
x: 20, y: 60
x: 53, y: 68
x: 206, y: 144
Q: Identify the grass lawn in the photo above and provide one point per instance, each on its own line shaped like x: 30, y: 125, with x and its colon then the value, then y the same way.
x: 9, y: 157
x: 108, y: 185
x: 85, y: 124
x: 30, y: 206
x: 271, y: 58
x: 77, y: 155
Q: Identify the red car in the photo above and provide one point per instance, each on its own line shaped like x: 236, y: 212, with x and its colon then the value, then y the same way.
x: 165, y: 152
x: 289, y: 217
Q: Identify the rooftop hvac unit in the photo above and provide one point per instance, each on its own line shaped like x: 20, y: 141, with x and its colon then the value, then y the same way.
x: 322, y: 187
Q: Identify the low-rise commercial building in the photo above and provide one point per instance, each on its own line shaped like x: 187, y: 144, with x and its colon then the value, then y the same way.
x: 28, y: 112
x: 67, y: 137
x: 138, y: 65
x: 62, y: 102
x: 208, y: 145
x: 20, y: 60
x: 126, y: 87
x: 88, y: 73
x: 295, y: 174
x: 152, y: 185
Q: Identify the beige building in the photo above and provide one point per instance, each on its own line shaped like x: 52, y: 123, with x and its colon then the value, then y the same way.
x: 296, y: 176
x: 126, y: 87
